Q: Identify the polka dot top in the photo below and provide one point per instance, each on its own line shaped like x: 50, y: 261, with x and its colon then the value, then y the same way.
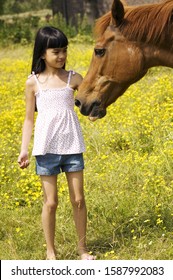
x: 57, y: 128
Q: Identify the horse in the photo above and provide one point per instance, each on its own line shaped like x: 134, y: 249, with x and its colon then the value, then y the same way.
x: 129, y: 41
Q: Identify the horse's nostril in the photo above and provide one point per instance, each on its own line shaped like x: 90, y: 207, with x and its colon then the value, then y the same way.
x: 77, y: 103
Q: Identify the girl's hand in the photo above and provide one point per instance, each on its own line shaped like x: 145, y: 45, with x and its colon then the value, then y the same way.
x: 23, y: 160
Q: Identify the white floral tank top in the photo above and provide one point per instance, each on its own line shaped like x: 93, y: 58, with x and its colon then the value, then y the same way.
x: 57, y: 128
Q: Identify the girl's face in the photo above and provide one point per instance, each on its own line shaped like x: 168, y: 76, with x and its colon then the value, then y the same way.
x: 55, y: 58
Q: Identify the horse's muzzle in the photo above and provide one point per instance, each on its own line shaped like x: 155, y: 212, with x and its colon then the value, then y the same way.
x: 93, y: 110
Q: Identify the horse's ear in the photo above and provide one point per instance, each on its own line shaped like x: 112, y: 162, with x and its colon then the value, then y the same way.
x: 117, y: 12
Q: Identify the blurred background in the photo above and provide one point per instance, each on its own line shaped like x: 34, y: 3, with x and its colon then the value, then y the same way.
x: 20, y: 18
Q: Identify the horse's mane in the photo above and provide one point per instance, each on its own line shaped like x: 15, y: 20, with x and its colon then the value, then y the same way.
x: 143, y: 23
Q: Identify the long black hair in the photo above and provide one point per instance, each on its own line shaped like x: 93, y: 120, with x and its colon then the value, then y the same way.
x: 46, y: 37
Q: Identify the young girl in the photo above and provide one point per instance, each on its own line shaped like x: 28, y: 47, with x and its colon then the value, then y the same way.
x: 58, y: 141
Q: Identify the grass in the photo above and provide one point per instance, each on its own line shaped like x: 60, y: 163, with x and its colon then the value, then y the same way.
x: 128, y: 173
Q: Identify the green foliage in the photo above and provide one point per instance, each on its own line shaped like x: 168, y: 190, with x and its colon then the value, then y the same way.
x: 18, y: 6
x: 22, y: 28
x: 2, y: 7
x: 18, y: 30
x: 84, y: 29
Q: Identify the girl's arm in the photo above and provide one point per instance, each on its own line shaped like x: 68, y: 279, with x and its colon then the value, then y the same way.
x: 23, y: 158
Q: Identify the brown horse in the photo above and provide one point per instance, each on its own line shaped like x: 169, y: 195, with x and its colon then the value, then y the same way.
x: 129, y: 41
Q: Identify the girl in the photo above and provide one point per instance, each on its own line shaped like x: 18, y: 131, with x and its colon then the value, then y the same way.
x: 58, y: 142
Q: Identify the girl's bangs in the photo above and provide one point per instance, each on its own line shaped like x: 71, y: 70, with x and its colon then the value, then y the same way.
x: 56, y: 43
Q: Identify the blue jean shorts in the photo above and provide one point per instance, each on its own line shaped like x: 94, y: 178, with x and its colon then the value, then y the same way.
x: 52, y: 164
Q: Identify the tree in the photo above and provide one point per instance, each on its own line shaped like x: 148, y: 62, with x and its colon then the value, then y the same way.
x: 70, y: 9
x: 2, y: 6
x: 96, y: 8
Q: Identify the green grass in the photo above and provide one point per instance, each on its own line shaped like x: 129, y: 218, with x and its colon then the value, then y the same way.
x: 128, y: 170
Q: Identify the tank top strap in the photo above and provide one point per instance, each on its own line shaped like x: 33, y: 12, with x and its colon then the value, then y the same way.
x: 71, y: 72
x: 37, y: 82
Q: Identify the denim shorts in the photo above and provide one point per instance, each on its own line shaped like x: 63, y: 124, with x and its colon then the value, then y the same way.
x: 52, y: 164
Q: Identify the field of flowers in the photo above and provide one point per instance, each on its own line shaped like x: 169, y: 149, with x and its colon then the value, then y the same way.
x: 128, y: 173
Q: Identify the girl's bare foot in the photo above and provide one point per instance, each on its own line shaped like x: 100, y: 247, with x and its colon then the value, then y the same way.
x: 51, y: 256
x: 87, y: 256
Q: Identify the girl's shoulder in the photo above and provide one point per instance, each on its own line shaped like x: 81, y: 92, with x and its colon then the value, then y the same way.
x: 76, y: 79
x: 31, y: 82
x: 31, y: 79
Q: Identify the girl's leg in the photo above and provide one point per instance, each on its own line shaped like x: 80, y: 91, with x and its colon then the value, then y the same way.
x: 75, y: 184
x: 49, y: 184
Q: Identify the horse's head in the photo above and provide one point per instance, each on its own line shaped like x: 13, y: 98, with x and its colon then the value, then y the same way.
x: 116, y: 63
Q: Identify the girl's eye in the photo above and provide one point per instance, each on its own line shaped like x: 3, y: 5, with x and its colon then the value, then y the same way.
x: 64, y: 51
x: 57, y: 52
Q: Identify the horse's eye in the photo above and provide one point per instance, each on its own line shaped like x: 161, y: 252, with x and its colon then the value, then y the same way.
x: 99, y: 52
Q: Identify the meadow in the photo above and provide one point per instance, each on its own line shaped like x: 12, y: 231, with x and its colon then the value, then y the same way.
x: 128, y: 170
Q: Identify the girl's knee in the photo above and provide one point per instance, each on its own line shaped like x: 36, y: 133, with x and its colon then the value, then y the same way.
x: 78, y: 203
x: 51, y: 205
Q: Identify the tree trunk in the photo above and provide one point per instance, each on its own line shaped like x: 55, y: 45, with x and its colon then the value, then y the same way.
x: 96, y: 8
x: 70, y: 9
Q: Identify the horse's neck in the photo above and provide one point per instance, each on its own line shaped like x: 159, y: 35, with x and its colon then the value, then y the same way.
x: 157, y: 57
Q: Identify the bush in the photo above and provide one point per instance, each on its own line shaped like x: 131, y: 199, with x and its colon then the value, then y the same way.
x: 18, y: 6
x: 22, y: 30
x: 18, y: 30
